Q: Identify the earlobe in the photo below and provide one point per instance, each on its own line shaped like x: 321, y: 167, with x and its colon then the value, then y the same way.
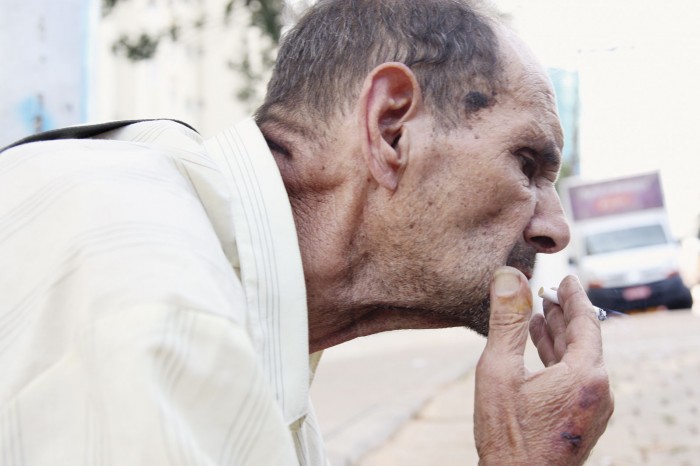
x: 390, y: 98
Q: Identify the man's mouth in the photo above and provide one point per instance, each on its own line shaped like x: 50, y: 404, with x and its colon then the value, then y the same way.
x: 522, y: 257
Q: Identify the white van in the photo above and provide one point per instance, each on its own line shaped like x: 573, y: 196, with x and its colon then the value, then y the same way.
x: 632, y: 264
x: 622, y: 245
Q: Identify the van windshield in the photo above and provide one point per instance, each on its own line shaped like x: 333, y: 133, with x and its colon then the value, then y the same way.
x: 629, y: 238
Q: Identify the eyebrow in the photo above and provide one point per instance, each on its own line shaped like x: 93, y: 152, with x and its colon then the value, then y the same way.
x: 548, y: 151
x: 550, y: 154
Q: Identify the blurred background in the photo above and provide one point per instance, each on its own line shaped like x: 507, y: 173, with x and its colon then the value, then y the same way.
x: 626, y: 74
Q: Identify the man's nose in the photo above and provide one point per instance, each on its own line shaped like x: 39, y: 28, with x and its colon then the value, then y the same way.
x: 548, y: 231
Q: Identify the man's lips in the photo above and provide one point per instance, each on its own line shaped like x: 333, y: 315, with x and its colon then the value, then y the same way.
x: 526, y: 272
x: 525, y: 269
x: 522, y: 257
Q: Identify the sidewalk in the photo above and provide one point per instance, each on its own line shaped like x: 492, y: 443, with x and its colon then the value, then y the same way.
x: 654, y: 365
x: 366, y: 389
x: 405, y: 398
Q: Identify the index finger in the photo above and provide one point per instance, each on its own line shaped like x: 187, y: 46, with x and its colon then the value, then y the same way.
x: 583, y: 337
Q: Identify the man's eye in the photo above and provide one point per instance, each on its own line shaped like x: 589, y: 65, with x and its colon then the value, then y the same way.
x: 528, y: 165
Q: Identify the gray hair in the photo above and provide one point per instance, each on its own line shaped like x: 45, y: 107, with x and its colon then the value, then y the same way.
x: 450, y: 45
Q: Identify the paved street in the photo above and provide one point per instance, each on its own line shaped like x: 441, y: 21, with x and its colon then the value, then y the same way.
x: 654, y: 365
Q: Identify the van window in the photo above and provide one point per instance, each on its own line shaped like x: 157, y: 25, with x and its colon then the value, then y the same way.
x: 629, y: 238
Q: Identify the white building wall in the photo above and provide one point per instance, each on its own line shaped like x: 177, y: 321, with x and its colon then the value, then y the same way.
x: 45, y: 72
x: 187, y: 79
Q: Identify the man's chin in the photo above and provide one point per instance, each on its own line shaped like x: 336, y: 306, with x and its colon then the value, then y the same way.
x: 477, y: 318
x: 483, y: 331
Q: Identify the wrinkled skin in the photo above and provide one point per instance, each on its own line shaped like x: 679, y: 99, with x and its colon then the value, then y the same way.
x: 553, y: 416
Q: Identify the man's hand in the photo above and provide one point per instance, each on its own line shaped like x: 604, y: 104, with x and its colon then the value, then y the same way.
x: 552, y: 417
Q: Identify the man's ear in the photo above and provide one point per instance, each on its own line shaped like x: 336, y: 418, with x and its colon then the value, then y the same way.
x: 390, y: 97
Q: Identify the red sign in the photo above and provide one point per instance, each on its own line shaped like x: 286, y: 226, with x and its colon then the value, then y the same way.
x: 636, y: 293
x: 616, y: 196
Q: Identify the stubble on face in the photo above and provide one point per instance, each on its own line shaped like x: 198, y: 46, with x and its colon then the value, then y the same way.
x: 464, y: 301
x: 475, y: 311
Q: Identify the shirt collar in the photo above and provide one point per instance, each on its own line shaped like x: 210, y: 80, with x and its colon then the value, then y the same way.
x: 270, y: 262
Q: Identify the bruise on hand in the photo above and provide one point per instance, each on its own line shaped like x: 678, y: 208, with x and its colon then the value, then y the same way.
x: 588, y: 397
x: 574, y: 441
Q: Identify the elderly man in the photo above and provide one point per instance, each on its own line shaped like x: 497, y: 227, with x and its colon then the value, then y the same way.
x: 162, y: 294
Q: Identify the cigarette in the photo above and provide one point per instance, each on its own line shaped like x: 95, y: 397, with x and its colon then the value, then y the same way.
x: 551, y: 295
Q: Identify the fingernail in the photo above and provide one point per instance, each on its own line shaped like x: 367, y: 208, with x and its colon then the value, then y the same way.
x: 506, y: 282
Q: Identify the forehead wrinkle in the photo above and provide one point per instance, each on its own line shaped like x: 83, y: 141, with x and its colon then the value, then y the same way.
x: 530, y: 90
x: 530, y: 85
x: 536, y: 92
x: 541, y: 101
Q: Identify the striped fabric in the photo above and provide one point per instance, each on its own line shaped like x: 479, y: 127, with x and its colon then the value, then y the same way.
x: 152, y: 303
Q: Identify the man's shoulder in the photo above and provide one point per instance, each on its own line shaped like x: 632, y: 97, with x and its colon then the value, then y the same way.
x: 132, y: 141
x: 98, y: 130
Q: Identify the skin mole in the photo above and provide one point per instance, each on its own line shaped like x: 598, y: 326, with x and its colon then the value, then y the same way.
x: 476, y: 100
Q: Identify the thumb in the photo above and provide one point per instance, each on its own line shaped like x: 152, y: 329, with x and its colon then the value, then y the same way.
x: 511, y: 308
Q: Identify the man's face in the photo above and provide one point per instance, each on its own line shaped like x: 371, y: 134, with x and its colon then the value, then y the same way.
x: 479, y: 197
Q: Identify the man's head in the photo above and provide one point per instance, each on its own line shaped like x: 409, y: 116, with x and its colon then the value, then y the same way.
x: 440, y: 145
x: 322, y: 62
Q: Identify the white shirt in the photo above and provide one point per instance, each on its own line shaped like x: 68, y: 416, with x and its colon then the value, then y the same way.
x: 152, y: 303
